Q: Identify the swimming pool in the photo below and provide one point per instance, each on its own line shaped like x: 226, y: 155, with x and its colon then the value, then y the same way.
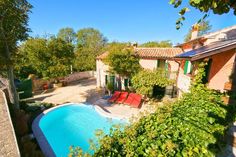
x: 70, y: 125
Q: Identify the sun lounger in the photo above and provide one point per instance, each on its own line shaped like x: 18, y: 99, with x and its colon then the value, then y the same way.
x: 136, y: 101
x: 114, y: 96
x: 122, y: 97
x: 130, y: 98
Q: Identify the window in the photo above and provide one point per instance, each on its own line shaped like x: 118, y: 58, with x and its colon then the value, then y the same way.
x: 205, y: 79
x: 161, y: 63
x: 187, y: 67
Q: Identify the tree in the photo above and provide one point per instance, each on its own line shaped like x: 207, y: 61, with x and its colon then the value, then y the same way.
x: 217, y: 6
x: 49, y: 58
x: 67, y: 34
x: 165, y: 43
x: 31, y: 57
x: 122, y: 60
x: 61, y: 55
x: 13, y: 28
x: 90, y: 44
x: 204, y: 27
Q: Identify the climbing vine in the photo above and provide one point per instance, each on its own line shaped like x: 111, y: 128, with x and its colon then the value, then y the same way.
x: 192, y: 126
x: 145, y: 80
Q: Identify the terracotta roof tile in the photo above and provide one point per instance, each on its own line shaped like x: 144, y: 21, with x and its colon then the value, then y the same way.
x: 144, y: 52
x: 158, y: 52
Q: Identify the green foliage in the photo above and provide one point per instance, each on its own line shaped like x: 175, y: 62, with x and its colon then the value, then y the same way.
x: 77, y: 152
x: 61, y: 56
x: 195, y: 125
x: 122, y: 60
x: 216, y: 6
x: 145, y: 80
x: 90, y: 44
x: 165, y: 43
x: 67, y: 34
x: 204, y: 27
x: 110, y: 86
x: 13, y: 28
x: 48, y: 58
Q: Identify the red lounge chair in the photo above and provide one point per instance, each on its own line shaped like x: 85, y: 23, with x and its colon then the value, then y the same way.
x: 129, y: 100
x: 137, y: 101
x: 122, y: 97
x: 114, y: 96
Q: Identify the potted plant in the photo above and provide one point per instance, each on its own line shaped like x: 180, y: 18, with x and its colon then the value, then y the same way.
x: 228, y: 85
x: 110, y: 87
x: 57, y: 84
x: 225, y: 98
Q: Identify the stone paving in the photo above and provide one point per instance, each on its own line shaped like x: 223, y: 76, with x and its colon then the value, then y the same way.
x: 85, y: 91
x: 8, y: 144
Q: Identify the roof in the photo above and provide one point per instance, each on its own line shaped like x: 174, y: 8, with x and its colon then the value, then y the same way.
x: 230, y: 31
x: 156, y: 52
x: 208, y: 50
x: 200, y: 39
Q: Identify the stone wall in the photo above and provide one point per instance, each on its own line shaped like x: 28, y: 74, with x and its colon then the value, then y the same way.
x: 38, y: 83
x: 79, y: 75
x: 8, y: 143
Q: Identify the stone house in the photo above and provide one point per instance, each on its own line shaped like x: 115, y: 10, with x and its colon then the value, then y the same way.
x: 218, y: 49
x: 150, y: 58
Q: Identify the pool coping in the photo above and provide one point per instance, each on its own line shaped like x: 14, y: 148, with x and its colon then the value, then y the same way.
x: 42, y: 140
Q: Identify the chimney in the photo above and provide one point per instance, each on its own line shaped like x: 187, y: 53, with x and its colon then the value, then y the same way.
x: 195, y: 29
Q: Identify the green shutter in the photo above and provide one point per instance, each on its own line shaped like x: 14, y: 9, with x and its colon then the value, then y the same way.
x: 166, y: 65
x: 126, y: 82
x: 106, y: 79
x: 186, y: 67
x: 158, y: 63
x: 112, y: 80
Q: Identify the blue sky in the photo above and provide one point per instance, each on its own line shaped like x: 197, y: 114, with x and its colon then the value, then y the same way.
x: 118, y: 20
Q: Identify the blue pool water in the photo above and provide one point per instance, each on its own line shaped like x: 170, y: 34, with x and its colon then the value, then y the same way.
x: 73, y: 125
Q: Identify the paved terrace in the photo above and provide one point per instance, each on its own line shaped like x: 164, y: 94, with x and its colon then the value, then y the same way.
x: 85, y: 91
x: 8, y: 144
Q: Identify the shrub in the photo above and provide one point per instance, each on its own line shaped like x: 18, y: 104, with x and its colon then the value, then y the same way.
x: 21, y: 122
x: 195, y: 125
x: 29, y: 149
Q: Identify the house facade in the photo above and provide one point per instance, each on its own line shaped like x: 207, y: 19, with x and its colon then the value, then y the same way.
x: 150, y: 58
x: 218, y: 49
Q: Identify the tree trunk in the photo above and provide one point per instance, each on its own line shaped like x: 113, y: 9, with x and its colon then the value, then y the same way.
x: 12, y: 89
